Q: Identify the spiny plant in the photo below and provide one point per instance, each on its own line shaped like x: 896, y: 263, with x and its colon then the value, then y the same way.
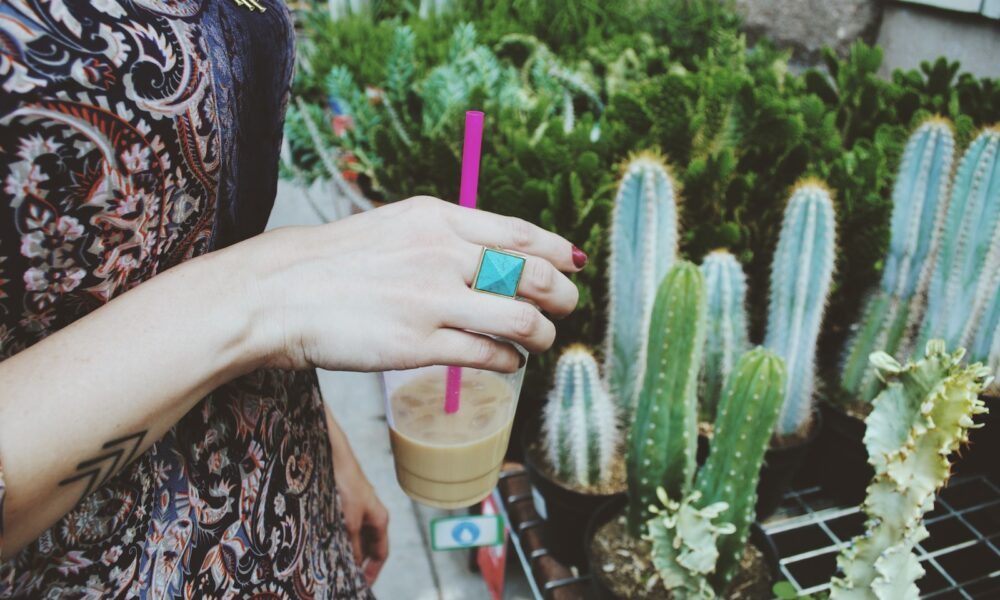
x: 963, y: 281
x: 663, y: 437
x: 919, y: 201
x: 726, y: 336
x: 923, y: 416
x: 643, y: 248
x: 700, y: 534
x: 580, y: 428
x: 800, y: 283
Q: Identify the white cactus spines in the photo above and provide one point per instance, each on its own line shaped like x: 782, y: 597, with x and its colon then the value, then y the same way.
x: 921, y: 417
x: 726, y: 337
x: 965, y: 272
x: 643, y: 248
x: 801, y: 274
x: 580, y: 427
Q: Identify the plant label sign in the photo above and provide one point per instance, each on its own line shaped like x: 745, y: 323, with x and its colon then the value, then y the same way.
x: 467, y: 531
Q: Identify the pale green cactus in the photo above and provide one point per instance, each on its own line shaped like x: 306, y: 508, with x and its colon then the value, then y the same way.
x: 921, y: 417
x: 919, y: 198
x: 800, y: 283
x: 663, y: 438
x: 963, y: 282
x: 643, y: 247
x: 580, y: 428
x: 726, y: 337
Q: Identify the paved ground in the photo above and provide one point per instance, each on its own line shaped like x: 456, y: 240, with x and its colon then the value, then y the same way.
x: 413, y: 572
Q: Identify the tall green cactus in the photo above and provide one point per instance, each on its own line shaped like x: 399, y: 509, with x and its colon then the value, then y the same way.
x: 963, y: 280
x: 581, y: 429
x: 698, y: 540
x: 800, y: 282
x: 664, y: 436
x: 643, y: 248
x: 919, y: 200
x: 922, y: 416
x: 726, y: 338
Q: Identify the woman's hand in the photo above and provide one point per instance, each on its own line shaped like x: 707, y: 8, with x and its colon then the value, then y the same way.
x: 389, y: 289
x: 365, y: 518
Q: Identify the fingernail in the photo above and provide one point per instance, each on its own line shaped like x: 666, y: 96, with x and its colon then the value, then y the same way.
x: 521, y: 359
x: 579, y: 257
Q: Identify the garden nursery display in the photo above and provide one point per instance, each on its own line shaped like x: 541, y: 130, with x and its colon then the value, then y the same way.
x: 794, y: 274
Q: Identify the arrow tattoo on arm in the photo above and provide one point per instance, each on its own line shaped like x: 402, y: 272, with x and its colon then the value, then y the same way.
x: 99, y: 469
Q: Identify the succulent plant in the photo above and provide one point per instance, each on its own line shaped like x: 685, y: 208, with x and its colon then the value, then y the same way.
x: 963, y: 281
x: 580, y: 428
x: 664, y: 435
x: 699, y: 537
x: 919, y: 198
x: 923, y: 415
x: 643, y: 248
x: 800, y: 283
x: 726, y: 337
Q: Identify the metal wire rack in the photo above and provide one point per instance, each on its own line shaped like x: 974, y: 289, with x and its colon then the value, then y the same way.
x: 961, y: 557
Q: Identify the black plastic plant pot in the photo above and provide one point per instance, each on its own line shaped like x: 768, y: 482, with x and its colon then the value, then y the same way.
x: 841, y: 456
x: 566, y: 510
x: 982, y: 454
x: 599, y: 587
x: 780, y: 467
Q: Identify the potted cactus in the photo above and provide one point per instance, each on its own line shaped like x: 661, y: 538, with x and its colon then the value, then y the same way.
x: 696, y: 540
x: 577, y: 464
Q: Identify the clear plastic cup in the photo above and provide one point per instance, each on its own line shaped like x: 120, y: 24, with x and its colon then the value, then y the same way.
x: 449, y: 460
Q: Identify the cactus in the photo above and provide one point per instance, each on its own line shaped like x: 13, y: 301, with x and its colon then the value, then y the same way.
x: 919, y: 199
x: 963, y: 279
x: 698, y: 541
x: 581, y: 430
x: 922, y: 416
x: 800, y: 281
x: 664, y: 436
x: 643, y: 248
x: 726, y: 336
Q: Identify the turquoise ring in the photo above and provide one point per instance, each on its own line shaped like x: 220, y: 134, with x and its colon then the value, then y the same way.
x: 499, y: 272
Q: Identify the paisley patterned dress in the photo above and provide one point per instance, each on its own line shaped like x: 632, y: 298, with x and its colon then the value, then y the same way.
x: 135, y: 134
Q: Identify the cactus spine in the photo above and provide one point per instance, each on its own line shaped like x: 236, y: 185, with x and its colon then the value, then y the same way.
x: 581, y: 431
x: 698, y: 542
x: 643, y: 248
x: 919, y: 199
x: 726, y: 337
x: 963, y: 279
x: 800, y: 282
x: 922, y: 416
x: 663, y: 438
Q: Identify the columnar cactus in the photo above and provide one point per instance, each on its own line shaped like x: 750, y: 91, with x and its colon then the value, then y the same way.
x: 581, y: 429
x: 698, y: 539
x: 964, y: 276
x: 800, y: 282
x: 919, y: 200
x: 726, y: 337
x: 922, y: 416
x: 664, y: 436
x: 643, y: 248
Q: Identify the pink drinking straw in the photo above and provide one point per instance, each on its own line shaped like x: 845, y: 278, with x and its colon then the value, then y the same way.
x: 467, y: 198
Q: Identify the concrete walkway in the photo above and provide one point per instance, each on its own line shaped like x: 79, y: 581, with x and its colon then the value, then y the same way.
x: 413, y: 571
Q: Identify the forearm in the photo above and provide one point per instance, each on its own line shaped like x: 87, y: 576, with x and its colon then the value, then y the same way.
x: 114, y: 382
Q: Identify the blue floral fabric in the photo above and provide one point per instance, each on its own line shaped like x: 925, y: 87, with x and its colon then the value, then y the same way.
x: 134, y: 135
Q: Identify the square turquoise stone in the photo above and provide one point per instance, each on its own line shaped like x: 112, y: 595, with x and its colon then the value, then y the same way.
x: 499, y: 273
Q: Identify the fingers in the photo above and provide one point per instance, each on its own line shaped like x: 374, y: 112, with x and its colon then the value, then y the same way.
x: 464, y: 349
x: 541, y: 282
x: 375, y: 534
x: 487, y: 229
x: 354, y: 532
x: 504, y: 317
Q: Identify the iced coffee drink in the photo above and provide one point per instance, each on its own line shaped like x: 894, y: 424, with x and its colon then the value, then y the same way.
x: 450, y: 460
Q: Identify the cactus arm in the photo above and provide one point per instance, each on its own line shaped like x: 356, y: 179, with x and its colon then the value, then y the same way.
x: 747, y: 414
x: 923, y: 415
x: 726, y: 335
x: 663, y: 437
x: 643, y: 247
x: 800, y: 282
